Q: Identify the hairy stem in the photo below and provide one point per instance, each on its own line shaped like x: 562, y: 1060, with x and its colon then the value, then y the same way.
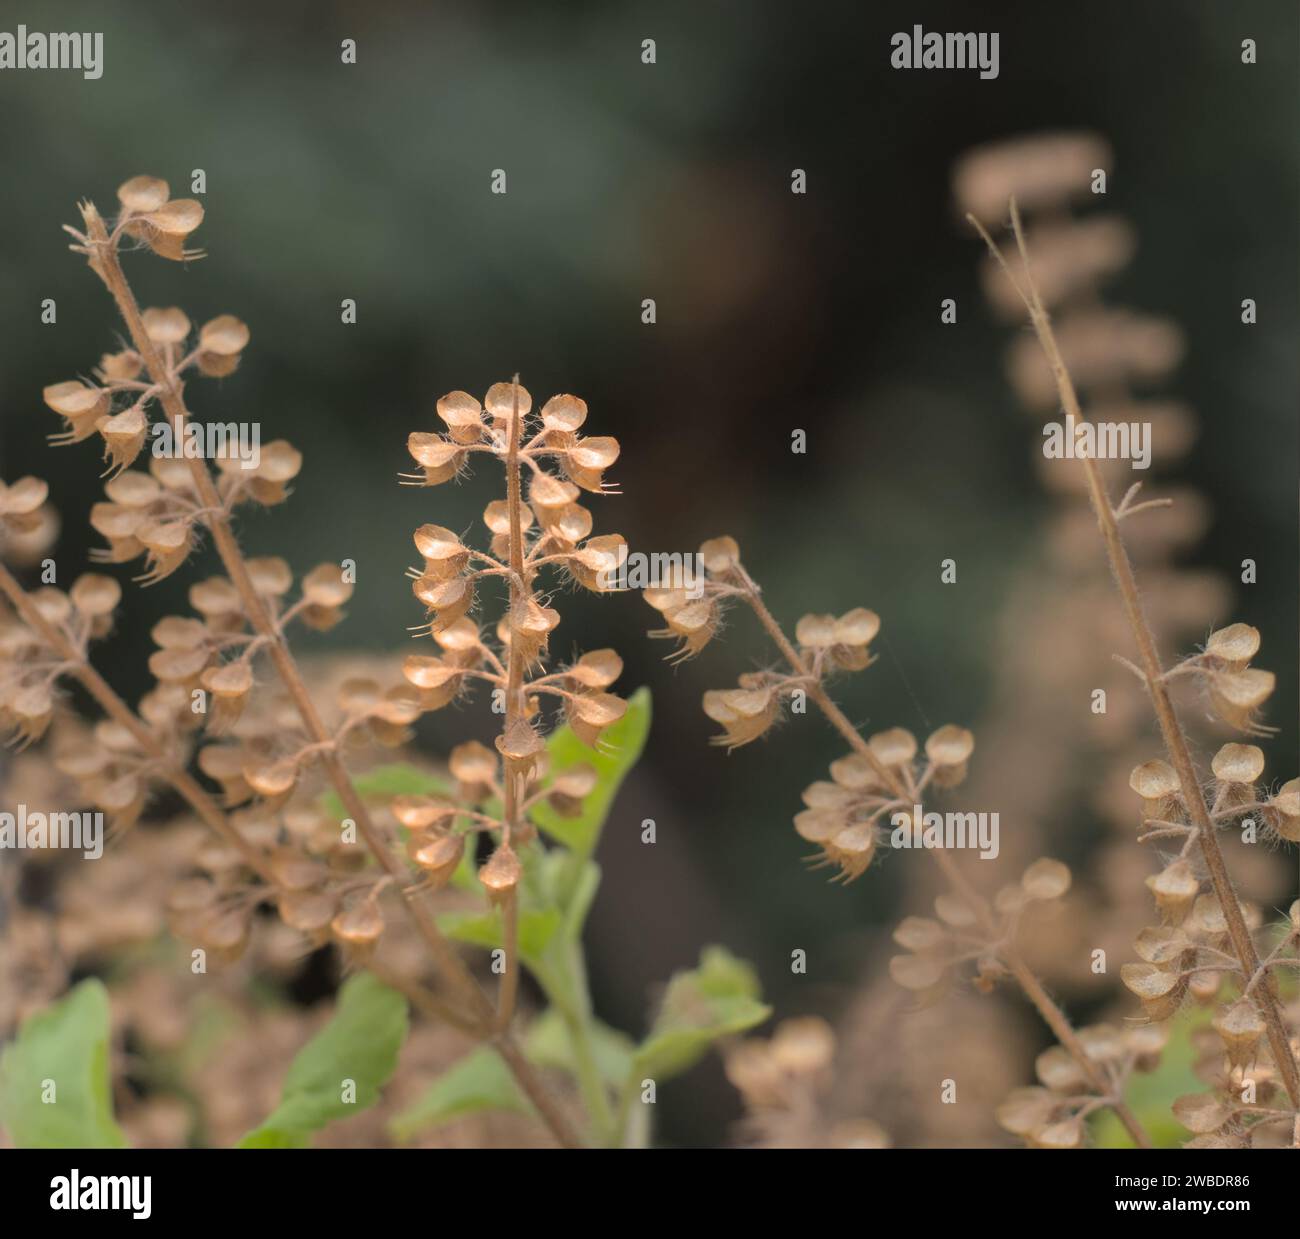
x: 1052, y: 1014
x: 514, y: 713
x: 1171, y: 729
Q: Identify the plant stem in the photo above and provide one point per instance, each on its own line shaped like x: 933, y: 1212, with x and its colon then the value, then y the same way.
x: 106, y: 262
x: 1052, y: 1014
x: 1171, y: 729
x: 514, y: 714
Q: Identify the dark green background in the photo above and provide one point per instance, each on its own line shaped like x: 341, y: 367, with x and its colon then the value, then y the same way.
x: 775, y: 311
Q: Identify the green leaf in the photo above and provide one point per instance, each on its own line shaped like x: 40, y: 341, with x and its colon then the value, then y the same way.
x: 66, y: 1044
x: 621, y: 745
x: 360, y: 1043
x: 537, y: 927
x: 1150, y: 1094
x: 479, y: 1081
x: 717, y: 999
x: 548, y: 1044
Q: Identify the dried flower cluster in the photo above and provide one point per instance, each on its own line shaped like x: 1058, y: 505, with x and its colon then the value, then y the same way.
x: 882, y: 779
x: 1205, y: 944
x: 786, y: 1081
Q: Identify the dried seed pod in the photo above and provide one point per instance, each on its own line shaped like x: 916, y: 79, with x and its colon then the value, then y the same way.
x: 218, y: 601
x: 596, y: 669
x: 325, y: 589
x: 445, y: 601
x: 1237, y: 768
x: 1046, y: 879
x: 1285, y: 811
x: 1240, y: 1027
x: 851, y: 634
x: 167, y: 545
x: 1175, y: 889
x: 123, y: 437
x: 500, y: 403
x: 1201, y: 1113
x: 852, y: 849
x: 438, y: 855
x: 501, y: 874
x: 1157, y: 783
x: 1045, y: 170
x: 80, y: 405
x: 592, y: 713
x: 359, y: 927
x: 586, y: 461
x: 694, y: 625
x: 20, y: 503
x: 463, y: 416
x: 1102, y: 1043
x: 562, y: 416
x: 531, y: 626
x: 1236, y: 696
x: 1232, y: 648
x: 230, y: 685
x: 720, y: 555
x: 744, y: 714
x: 444, y: 554
x: 95, y: 598
x: 596, y: 567
x: 949, y: 751
x: 1161, y: 992
x: 1147, y: 1042
x: 122, y: 800
x: 1057, y: 1070
x: 221, y: 341
x: 438, y: 457
x: 142, y: 194
x: 167, y: 326
x: 1026, y: 1110
x: 1161, y: 944
x: 894, y: 749
x: 309, y: 912
x: 854, y: 772
x: 421, y: 813
x: 920, y: 934
x: 280, y: 463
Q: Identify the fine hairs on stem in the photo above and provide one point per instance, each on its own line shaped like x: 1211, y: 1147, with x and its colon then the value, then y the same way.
x: 879, y: 781
x: 1175, y: 805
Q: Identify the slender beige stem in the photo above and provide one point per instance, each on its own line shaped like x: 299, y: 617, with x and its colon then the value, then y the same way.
x: 106, y: 262
x: 1052, y: 1014
x: 1171, y: 729
x: 515, y: 708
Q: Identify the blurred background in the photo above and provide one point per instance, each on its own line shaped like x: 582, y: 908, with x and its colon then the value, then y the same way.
x: 775, y: 311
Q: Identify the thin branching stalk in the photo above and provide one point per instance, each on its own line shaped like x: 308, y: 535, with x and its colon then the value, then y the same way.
x: 80, y: 669
x: 1052, y: 1014
x: 1171, y: 729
